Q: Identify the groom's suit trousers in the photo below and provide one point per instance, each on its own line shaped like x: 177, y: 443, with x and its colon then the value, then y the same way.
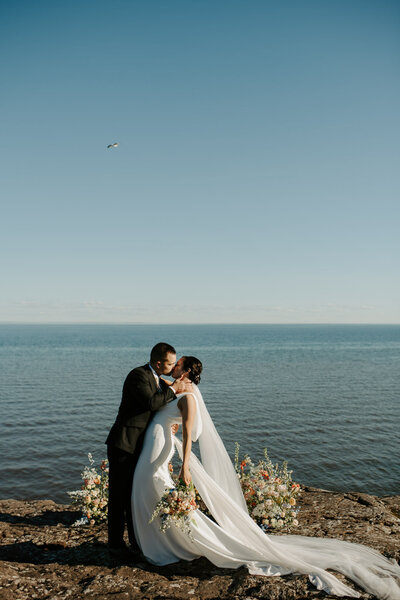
x: 122, y: 466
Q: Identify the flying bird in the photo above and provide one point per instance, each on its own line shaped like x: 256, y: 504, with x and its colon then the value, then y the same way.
x: 114, y: 145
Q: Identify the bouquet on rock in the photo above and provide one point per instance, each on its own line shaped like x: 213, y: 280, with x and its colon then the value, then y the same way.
x: 270, y: 494
x: 92, y: 498
x: 177, y: 506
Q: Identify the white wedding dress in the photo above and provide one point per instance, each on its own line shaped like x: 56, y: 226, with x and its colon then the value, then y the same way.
x: 234, y: 539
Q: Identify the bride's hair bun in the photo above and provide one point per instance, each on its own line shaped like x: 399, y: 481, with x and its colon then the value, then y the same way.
x: 194, y: 366
x: 195, y: 378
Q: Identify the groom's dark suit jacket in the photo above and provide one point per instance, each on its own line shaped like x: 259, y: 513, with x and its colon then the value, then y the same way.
x: 140, y: 399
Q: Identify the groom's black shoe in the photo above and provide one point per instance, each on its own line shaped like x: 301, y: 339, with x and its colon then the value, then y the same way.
x: 121, y: 551
x: 125, y: 553
x: 134, y: 546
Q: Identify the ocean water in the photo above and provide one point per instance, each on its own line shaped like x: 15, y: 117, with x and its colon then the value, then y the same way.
x: 324, y: 398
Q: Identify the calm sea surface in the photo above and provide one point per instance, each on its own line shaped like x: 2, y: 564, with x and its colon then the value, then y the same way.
x: 325, y: 398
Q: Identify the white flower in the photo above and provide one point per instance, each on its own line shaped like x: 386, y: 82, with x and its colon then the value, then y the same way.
x: 79, y: 522
x: 258, y: 510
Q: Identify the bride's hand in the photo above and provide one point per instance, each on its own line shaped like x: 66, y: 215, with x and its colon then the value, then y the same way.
x: 182, y: 385
x: 185, y: 475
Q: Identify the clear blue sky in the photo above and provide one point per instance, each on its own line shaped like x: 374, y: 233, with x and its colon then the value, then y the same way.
x: 256, y: 177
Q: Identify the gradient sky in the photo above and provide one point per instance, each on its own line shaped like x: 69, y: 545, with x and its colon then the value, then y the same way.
x: 256, y: 177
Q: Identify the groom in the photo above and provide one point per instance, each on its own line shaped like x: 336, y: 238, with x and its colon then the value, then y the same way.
x: 144, y: 392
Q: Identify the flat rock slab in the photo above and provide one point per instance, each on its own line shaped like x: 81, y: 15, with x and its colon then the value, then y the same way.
x: 43, y: 556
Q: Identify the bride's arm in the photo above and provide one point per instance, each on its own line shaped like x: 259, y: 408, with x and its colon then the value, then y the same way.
x: 187, y: 406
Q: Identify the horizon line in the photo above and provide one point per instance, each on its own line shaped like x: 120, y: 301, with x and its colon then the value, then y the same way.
x: 184, y: 323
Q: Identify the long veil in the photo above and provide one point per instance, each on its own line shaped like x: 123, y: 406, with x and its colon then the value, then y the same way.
x: 218, y: 485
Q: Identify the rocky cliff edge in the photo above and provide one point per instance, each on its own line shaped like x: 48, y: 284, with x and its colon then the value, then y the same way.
x: 43, y: 557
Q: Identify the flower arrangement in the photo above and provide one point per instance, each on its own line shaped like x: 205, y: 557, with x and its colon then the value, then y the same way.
x: 176, y: 507
x: 269, y: 491
x: 270, y: 494
x: 92, y: 498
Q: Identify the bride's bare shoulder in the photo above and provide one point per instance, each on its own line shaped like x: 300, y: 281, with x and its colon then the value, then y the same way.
x: 187, y: 402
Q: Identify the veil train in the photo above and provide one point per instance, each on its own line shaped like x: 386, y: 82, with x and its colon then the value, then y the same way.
x: 216, y: 480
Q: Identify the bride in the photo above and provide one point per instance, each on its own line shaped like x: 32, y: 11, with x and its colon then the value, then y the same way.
x: 232, y: 539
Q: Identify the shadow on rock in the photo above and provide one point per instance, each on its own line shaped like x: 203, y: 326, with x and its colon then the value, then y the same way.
x: 96, y: 554
x: 48, y: 517
x: 85, y: 553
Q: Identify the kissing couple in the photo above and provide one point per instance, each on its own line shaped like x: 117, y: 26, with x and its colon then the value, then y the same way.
x: 141, y: 444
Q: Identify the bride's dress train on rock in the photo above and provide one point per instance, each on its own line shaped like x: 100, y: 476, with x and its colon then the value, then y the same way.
x: 234, y: 540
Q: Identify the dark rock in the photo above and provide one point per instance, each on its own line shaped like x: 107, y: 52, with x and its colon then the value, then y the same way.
x: 43, y: 557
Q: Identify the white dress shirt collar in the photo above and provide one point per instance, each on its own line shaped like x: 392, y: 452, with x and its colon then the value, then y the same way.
x: 156, y: 377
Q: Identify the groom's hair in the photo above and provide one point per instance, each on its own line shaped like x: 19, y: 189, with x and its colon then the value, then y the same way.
x: 160, y: 351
